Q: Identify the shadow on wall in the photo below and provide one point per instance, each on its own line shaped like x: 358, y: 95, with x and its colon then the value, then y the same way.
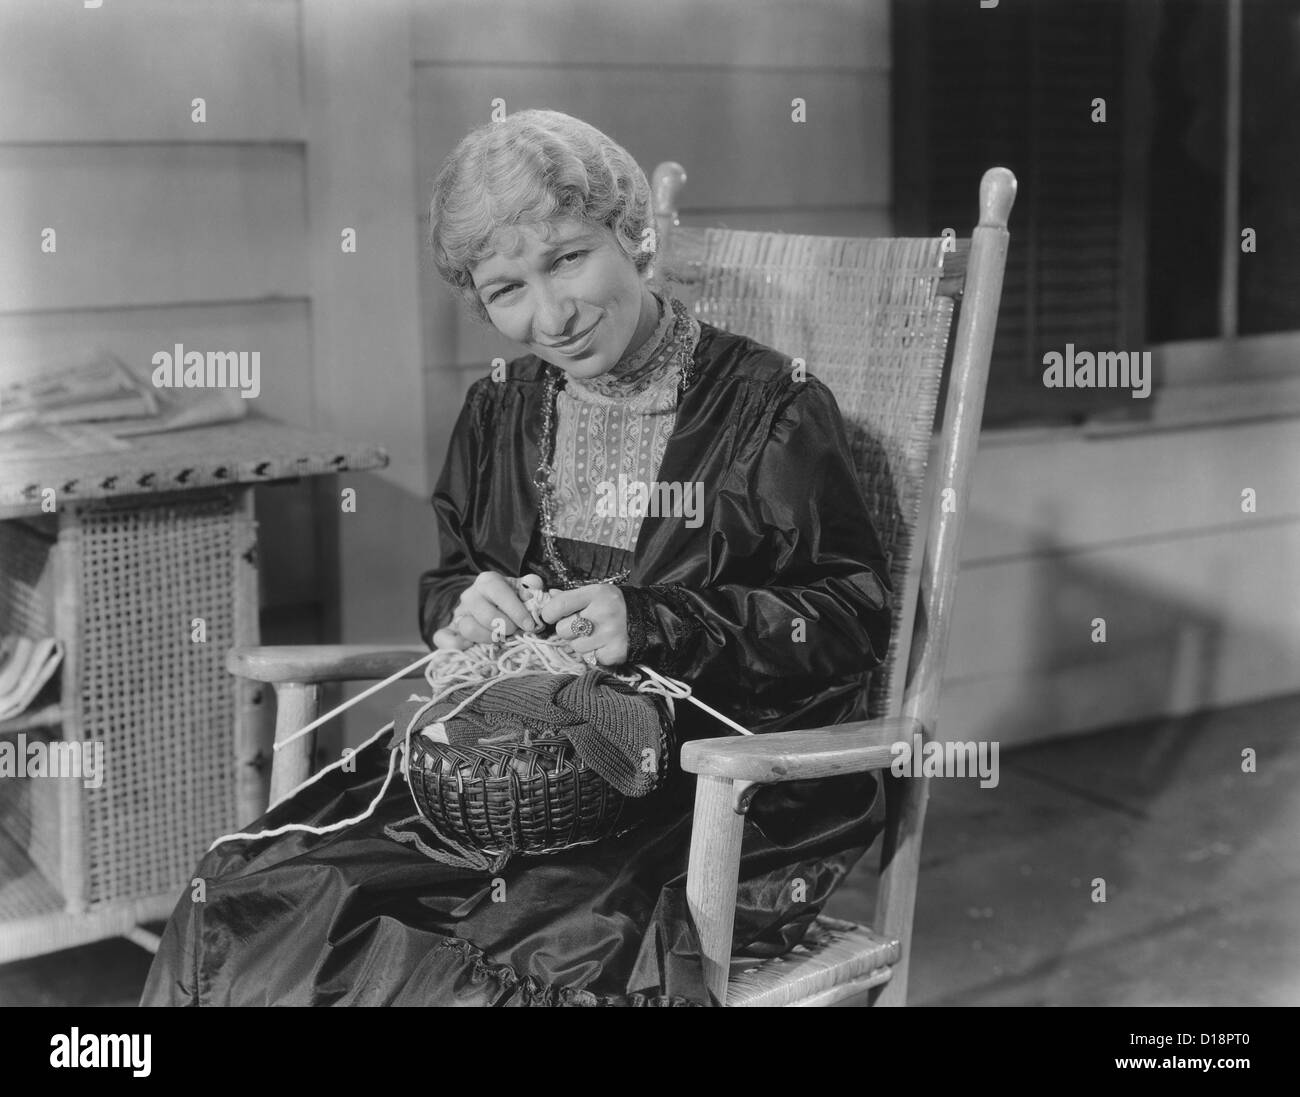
x: 1069, y: 640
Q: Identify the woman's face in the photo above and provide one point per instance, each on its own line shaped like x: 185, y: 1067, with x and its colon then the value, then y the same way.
x: 572, y: 297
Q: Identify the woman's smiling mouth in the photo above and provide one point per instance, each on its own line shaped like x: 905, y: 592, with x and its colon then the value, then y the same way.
x: 575, y: 345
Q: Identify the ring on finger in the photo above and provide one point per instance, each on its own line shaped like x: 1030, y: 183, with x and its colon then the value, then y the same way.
x: 581, y: 626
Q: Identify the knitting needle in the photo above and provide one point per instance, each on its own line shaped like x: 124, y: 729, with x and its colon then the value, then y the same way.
x: 714, y: 712
x: 425, y: 658
x: 682, y: 690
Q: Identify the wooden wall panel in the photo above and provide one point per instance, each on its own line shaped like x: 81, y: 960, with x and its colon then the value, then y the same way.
x: 1063, y: 492
x: 1034, y: 615
x: 365, y: 303
x: 151, y: 224
x: 716, y: 33
x: 440, y: 313
x: 732, y: 128
x: 1198, y: 622
x: 369, y: 377
x: 128, y: 70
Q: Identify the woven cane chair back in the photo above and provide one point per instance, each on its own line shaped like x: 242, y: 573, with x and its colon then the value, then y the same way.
x: 868, y: 319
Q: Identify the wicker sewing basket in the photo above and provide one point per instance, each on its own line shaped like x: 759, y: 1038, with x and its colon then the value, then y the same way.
x: 525, y: 798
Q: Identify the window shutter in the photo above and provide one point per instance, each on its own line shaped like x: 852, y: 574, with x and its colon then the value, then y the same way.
x: 1014, y: 85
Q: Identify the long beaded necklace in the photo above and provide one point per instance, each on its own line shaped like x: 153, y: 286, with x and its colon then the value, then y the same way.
x: 681, y: 354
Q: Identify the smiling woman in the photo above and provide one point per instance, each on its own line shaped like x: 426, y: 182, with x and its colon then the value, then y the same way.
x: 768, y: 594
x: 574, y: 301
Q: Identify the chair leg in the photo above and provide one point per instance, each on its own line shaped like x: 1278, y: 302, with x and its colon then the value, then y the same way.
x: 900, y: 865
x: 712, y: 874
x: 891, y: 993
x: 297, y: 704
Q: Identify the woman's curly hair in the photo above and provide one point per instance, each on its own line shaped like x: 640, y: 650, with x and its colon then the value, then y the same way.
x: 532, y: 168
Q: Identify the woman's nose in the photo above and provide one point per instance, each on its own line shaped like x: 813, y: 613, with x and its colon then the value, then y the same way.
x: 554, y: 316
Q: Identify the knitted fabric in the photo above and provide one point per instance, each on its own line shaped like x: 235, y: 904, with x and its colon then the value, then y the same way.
x: 614, y: 729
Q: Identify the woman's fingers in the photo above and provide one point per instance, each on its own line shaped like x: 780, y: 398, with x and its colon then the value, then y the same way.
x: 469, y: 624
x: 573, y: 629
x: 500, y: 599
x: 490, y: 609
x: 604, y: 606
x: 481, y: 616
x: 448, y: 639
x: 562, y: 603
x: 532, y: 592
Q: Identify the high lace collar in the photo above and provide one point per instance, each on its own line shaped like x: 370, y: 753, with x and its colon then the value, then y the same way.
x: 636, y: 372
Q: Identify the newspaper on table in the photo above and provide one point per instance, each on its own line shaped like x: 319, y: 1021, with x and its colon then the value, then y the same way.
x: 94, y: 391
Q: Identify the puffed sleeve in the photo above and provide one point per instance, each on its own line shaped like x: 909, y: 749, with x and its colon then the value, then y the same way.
x: 815, y: 606
x: 441, y: 587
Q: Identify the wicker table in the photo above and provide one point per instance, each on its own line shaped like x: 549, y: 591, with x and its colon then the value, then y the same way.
x: 141, y: 542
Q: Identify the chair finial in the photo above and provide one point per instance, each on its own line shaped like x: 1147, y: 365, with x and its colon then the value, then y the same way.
x: 997, y: 195
x: 665, y: 185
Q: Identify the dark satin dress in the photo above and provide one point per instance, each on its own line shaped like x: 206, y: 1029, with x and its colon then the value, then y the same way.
x: 355, y: 918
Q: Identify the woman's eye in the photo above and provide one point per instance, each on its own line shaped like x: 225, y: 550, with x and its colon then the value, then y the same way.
x: 569, y: 256
x: 504, y: 289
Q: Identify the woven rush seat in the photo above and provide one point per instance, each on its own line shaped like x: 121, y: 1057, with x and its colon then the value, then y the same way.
x: 835, y: 952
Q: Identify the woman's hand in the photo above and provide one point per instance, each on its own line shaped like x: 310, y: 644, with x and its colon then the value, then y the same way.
x: 604, y: 606
x: 490, y: 599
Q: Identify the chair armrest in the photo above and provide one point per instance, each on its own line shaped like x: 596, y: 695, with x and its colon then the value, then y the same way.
x: 800, y: 755
x: 296, y: 674
x: 322, y: 662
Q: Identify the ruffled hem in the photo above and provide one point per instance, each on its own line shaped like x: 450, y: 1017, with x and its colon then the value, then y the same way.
x: 532, y: 991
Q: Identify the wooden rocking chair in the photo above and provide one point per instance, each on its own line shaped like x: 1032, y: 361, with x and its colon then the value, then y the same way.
x: 876, y: 320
